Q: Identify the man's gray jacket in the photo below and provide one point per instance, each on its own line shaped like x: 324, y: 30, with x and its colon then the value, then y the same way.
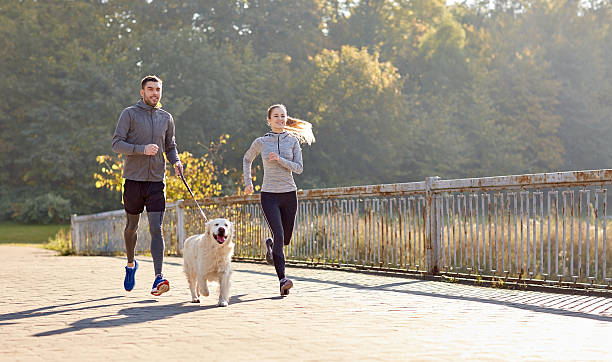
x: 138, y: 126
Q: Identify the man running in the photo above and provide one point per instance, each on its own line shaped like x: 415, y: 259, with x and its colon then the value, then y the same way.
x: 144, y: 132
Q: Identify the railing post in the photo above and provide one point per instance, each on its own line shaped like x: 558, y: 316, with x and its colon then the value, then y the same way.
x: 431, y: 227
x: 180, y: 224
x: 74, y: 233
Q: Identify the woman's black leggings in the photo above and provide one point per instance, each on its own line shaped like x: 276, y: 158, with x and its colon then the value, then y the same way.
x: 279, y: 210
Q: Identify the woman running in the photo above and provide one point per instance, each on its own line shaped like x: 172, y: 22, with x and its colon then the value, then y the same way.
x: 282, y: 156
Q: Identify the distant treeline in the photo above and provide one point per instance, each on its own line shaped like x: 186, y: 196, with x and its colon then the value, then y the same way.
x: 397, y: 90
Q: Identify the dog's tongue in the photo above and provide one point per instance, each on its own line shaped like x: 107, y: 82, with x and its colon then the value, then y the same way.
x: 221, y: 239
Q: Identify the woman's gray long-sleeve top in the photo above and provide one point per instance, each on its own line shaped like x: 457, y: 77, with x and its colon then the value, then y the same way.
x: 278, y: 175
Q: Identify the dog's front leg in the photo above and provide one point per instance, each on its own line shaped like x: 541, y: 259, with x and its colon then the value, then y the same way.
x: 224, y: 288
x: 191, y: 279
x: 202, y: 286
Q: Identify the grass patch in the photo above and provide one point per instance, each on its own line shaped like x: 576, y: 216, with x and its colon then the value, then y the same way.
x: 62, y: 242
x: 16, y: 233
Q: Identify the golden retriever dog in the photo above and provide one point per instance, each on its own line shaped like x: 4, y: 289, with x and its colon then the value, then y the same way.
x: 207, y: 257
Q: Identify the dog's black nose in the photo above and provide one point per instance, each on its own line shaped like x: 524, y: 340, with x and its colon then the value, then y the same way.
x: 221, y: 231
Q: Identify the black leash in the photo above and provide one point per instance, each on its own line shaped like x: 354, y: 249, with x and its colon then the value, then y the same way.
x: 194, y: 199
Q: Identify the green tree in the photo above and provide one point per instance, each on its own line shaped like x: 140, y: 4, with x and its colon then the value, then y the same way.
x: 356, y: 107
x: 57, y: 93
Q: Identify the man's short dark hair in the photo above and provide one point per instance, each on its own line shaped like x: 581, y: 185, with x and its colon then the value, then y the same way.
x: 150, y: 78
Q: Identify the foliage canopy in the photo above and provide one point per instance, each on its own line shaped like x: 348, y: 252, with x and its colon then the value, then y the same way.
x: 397, y: 90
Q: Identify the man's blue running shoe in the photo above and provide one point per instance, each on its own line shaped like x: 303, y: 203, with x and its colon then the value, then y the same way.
x: 160, y: 285
x: 130, y: 274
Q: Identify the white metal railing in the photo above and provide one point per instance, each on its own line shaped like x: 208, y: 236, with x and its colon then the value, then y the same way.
x: 547, y: 228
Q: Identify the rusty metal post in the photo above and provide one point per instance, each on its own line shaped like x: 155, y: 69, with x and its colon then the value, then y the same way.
x: 180, y: 225
x: 74, y: 233
x: 431, y: 228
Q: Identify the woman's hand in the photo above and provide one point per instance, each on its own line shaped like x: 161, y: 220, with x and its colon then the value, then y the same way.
x: 248, y: 190
x: 273, y: 156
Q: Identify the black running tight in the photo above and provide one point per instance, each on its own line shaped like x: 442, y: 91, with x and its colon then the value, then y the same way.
x: 279, y: 210
x: 157, y: 239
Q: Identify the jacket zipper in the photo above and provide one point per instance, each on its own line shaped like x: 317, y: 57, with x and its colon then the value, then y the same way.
x: 152, y: 141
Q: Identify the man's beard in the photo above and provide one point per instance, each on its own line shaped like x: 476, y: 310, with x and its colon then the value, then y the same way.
x: 150, y: 102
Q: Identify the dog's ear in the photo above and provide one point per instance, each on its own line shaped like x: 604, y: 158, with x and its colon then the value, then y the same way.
x: 229, y: 226
x: 208, y: 226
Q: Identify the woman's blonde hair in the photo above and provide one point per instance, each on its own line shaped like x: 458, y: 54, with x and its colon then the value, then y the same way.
x: 302, y: 130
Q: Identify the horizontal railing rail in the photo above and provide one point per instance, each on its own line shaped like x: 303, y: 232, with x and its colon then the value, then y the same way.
x: 548, y: 228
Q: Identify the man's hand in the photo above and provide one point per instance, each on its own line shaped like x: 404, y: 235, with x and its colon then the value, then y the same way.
x: 178, y: 168
x: 248, y: 190
x: 151, y: 149
x: 272, y: 156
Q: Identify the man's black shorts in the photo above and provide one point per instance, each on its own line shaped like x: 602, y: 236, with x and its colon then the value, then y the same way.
x: 138, y: 194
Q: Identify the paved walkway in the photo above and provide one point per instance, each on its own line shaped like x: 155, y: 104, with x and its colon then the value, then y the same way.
x: 74, y: 308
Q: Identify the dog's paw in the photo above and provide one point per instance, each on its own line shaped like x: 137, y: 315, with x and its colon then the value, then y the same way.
x: 222, y: 303
x: 195, y: 300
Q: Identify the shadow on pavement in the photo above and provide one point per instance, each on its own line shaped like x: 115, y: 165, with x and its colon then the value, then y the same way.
x: 140, y: 314
x: 389, y: 288
x: 52, y: 309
